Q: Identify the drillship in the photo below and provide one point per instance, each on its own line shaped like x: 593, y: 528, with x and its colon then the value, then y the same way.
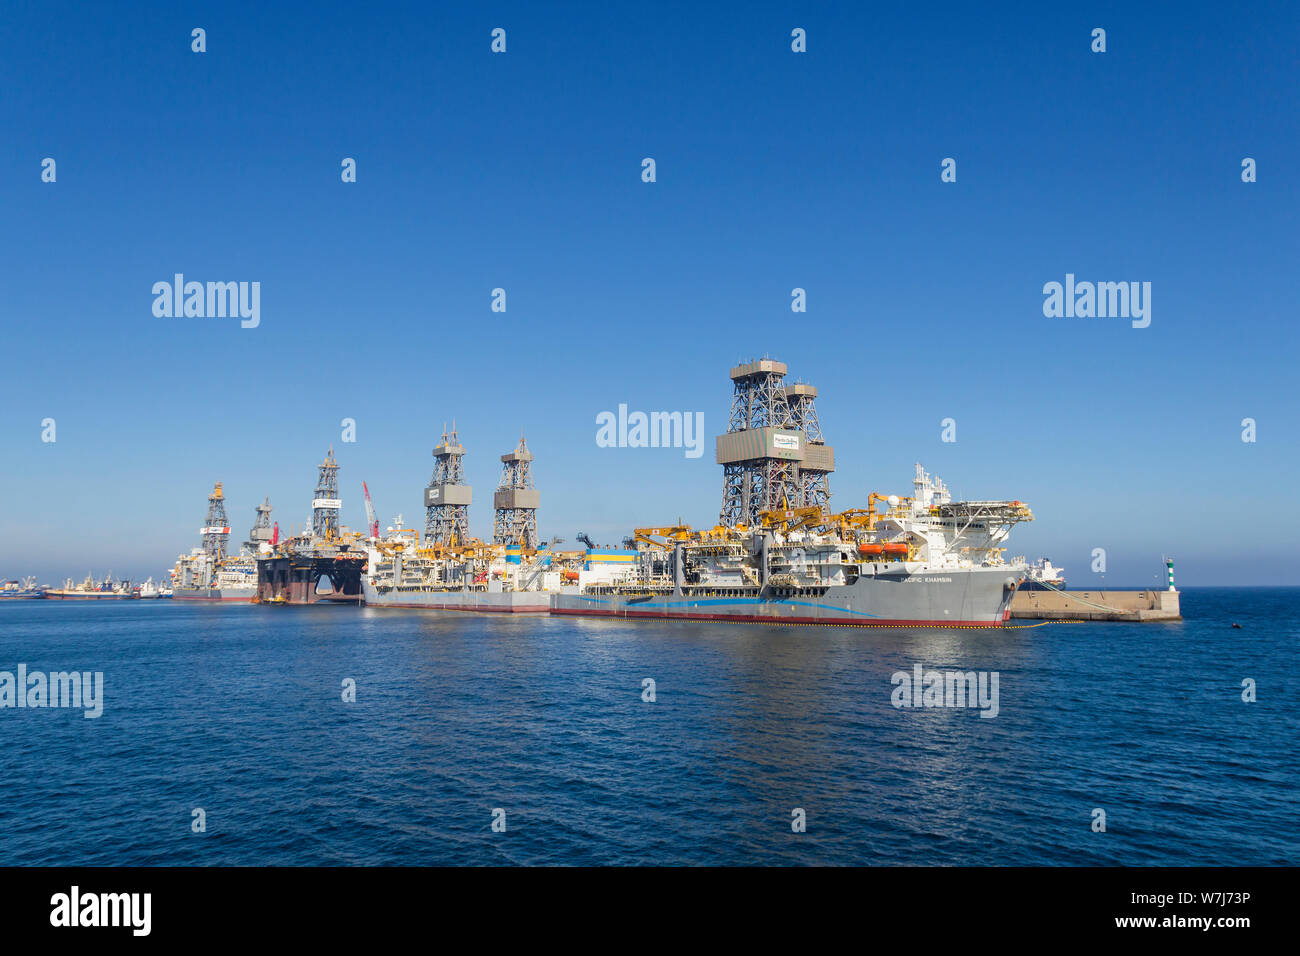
x: 207, y: 573
x: 472, y: 577
x: 921, y: 560
x: 452, y: 571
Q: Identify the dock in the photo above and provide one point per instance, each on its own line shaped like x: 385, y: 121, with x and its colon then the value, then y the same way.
x: 1149, y: 605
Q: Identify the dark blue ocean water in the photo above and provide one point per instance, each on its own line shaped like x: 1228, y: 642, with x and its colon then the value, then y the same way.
x: 238, y: 710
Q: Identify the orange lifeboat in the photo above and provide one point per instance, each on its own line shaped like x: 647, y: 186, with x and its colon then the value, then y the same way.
x: 896, y: 549
x: 570, y: 575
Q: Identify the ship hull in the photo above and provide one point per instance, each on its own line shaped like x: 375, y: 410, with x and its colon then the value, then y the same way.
x: 214, y: 594
x: 493, y: 602
x: 58, y: 595
x: 979, y: 597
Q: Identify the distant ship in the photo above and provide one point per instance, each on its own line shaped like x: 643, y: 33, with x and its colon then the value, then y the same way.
x: 26, y: 589
x: 92, y: 590
x: 1042, y: 575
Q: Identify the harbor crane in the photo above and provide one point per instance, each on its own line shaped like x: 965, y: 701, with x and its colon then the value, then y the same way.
x: 372, y: 522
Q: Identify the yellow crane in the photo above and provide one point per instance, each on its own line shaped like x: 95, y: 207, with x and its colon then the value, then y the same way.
x: 672, y: 535
x: 857, y: 519
x: 792, y: 519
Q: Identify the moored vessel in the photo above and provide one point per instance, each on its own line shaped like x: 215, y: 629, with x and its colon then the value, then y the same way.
x: 92, y: 590
x: 207, y: 573
x: 24, y: 590
x: 1042, y: 575
x: 472, y: 577
x: 923, y: 560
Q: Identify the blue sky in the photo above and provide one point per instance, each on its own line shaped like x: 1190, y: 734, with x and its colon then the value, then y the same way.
x: 775, y: 170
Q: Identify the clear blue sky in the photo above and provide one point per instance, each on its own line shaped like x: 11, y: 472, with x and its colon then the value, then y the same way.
x: 775, y: 170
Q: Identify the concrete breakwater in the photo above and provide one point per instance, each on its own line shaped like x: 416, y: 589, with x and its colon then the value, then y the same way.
x: 1097, y: 605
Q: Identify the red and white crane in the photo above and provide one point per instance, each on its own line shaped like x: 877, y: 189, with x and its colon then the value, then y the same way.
x: 371, y: 520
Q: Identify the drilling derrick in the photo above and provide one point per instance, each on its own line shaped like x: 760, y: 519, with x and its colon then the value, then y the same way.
x: 773, y: 454
x: 326, y: 504
x: 448, y: 496
x: 819, y: 459
x: 516, y: 501
x: 261, y: 531
x: 216, y: 530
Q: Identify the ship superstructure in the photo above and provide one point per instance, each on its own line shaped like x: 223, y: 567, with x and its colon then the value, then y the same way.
x: 1042, y: 575
x: 472, y: 576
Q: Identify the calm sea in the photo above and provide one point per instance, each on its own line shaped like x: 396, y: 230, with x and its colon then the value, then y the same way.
x: 238, y: 711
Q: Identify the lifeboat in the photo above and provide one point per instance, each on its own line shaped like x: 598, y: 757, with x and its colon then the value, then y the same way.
x: 871, y: 550
x: 570, y: 575
x: 896, y: 549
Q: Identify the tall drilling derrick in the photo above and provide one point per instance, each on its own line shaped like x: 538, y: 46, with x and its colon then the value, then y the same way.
x: 326, y: 504
x: 261, y: 533
x: 773, y: 454
x: 516, y: 500
x: 216, y: 529
x: 448, y: 496
x: 819, y: 460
